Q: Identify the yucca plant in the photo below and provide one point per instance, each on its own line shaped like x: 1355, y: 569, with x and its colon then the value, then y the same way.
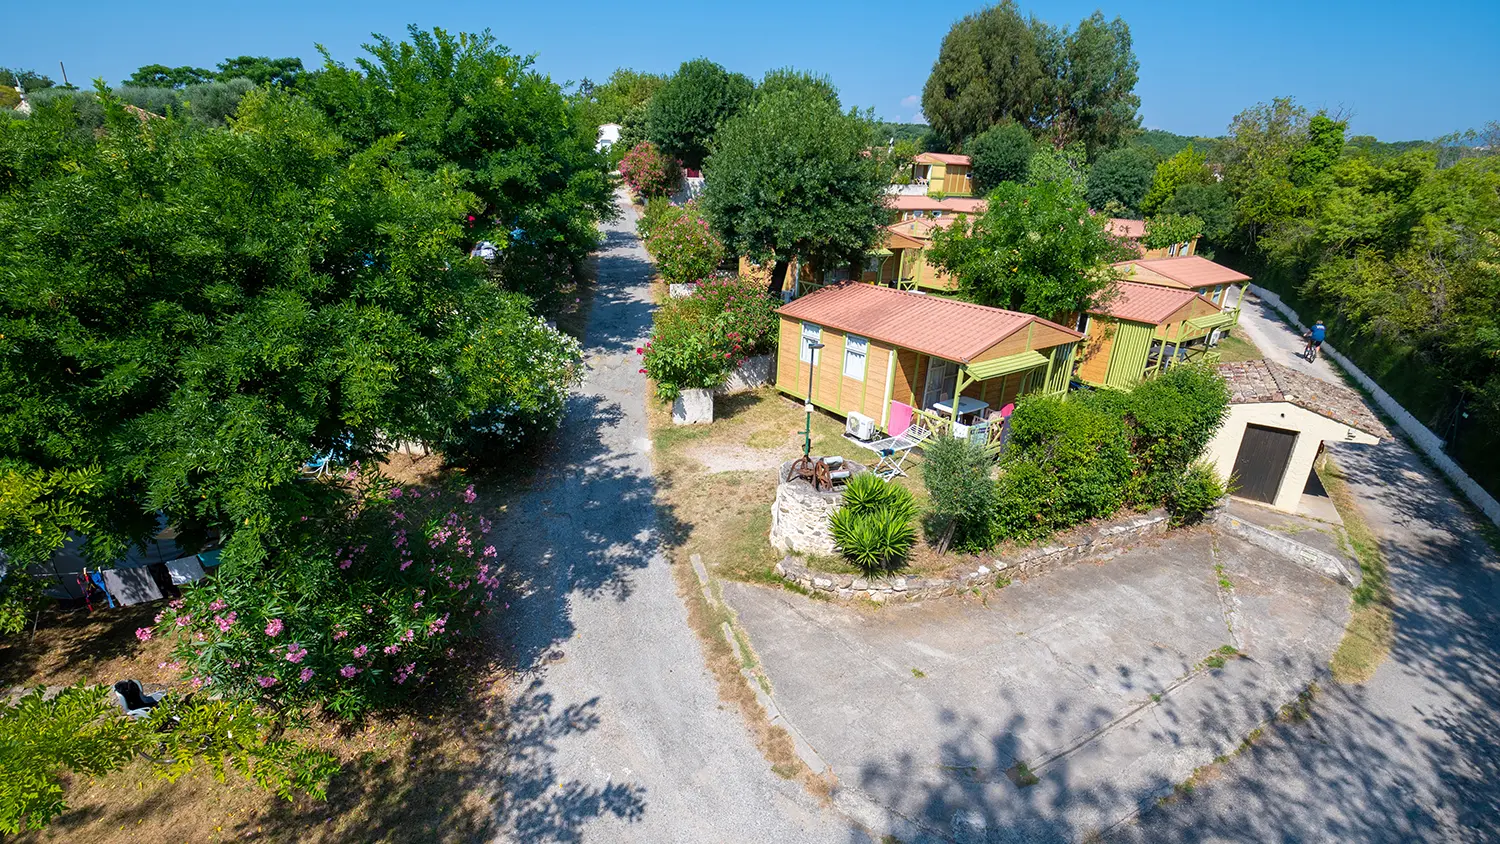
x: 876, y: 526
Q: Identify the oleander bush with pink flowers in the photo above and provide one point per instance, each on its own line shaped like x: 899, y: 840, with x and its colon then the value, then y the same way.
x: 355, y: 613
x: 698, y: 340
x: 650, y: 172
x: 685, y: 247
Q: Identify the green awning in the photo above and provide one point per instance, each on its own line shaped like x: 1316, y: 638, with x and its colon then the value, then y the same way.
x: 881, y: 252
x: 1218, y: 320
x: 996, y: 367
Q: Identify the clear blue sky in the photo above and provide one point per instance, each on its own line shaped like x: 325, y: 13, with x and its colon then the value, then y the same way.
x: 1404, y: 69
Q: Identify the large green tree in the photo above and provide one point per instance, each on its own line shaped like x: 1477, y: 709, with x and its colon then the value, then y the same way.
x: 1188, y: 167
x: 262, y: 70
x: 1272, y: 159
x: 1036, y: 249
x: 467, y: 104
x: 1121, y: 176
x: 1063, y: 86
x: 1001, y: 153
x: 612, y: 100
x: 189, y: 315
x: 690, y: 108
x: 791, y: 175
x: 162, y: 76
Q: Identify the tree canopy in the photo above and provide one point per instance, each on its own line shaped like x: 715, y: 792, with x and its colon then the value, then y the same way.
x: 684, y: 115
x: 467, y: 104
x: 1121, y: 176
x: 791, y: 175
x: 161, y: 76
x: 262, y: 70
x: 1063, y: 86
x: 613, y: 100
x: 1187, y: 167
x: 191, y: 314
x: 1036, y: 249
x: 1001, y: 153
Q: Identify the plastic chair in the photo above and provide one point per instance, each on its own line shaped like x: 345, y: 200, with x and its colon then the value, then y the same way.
x: 133, y: 700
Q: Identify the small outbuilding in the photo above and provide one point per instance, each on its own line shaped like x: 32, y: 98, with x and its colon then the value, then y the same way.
x: 1135, y: 329
x: 1279, y: 419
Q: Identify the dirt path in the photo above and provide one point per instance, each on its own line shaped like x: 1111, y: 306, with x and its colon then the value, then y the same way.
x: 618, y: 733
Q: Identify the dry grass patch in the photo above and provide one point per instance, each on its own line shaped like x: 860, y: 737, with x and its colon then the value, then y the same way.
x: 725, y: 516
x: 1371, y: 629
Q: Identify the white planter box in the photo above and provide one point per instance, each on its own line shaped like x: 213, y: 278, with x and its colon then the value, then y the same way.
x: 693, y: 407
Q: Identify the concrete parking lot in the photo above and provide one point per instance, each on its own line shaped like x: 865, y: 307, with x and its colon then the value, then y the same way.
x: 1108, y: 683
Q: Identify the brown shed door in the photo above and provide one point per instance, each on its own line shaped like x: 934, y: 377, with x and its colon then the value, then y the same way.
x: 1262, y: 460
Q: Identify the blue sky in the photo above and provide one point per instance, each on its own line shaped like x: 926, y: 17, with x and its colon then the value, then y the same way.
x: 1404, y: 70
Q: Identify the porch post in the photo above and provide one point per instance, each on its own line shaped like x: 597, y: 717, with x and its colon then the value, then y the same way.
x: 959, y: 383
x: 890, y: 387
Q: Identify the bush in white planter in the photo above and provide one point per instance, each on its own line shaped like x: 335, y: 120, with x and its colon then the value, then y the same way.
x: 697, y: 341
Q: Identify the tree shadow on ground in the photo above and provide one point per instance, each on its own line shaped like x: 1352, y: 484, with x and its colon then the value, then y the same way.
x: 583, y: 531
x: 1411, y: 755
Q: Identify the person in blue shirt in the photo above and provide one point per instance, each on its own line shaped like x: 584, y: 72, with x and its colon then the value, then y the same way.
x: 1314, y: 341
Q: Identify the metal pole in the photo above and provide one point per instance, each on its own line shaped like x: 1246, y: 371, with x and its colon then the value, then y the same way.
x: 65, y: 75
x: 812, y: 367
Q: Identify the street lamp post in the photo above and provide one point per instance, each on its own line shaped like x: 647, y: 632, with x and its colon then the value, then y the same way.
x: 812, y: 366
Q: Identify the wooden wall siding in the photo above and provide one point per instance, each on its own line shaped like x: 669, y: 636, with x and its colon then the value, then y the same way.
x: 791, y: 373
x: 1097, y: 348
x: 956, y: 180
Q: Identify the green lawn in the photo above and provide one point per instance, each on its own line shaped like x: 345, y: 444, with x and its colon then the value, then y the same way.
x: 1235, y: 347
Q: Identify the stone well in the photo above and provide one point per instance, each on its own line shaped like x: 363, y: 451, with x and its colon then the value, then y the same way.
x: 799, y: 516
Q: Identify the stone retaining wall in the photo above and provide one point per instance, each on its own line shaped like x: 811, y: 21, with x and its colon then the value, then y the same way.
x: 1092, y: 543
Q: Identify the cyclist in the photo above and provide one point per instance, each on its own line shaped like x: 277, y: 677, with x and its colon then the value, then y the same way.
x: 1314, y: 341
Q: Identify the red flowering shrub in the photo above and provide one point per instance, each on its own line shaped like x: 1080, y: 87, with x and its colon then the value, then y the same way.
x: 684, y: 246
x: 698, y: 340
x: 354, y: 613
x: 650, y: 172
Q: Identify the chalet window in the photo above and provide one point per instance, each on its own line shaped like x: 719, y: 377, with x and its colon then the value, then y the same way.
x: 810, y: 334
x: 856, y: 349
x: 873, y: 262
x: 1172, y: 251
x: 1083, y: 324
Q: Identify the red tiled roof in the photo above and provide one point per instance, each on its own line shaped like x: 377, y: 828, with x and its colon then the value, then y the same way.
x: 941, y: 158
x: 1150, y: 303
x: 921, y: 228
x: 945, y: 328
x: 955, y: 204
x: 1259, y: 381
x: 1184, y: 271
x: 1121, y: 227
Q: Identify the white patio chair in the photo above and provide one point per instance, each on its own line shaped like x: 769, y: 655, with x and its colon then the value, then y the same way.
x: 893, y: 451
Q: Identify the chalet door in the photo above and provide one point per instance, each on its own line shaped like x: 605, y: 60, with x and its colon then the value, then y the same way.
x: 1261, y: 463
x: 942, y: 380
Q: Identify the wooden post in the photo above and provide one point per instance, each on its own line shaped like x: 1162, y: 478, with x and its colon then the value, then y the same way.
x: 890, y: 387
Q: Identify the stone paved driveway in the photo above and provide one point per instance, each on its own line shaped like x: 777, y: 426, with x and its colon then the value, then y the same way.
x: 1092, y: 676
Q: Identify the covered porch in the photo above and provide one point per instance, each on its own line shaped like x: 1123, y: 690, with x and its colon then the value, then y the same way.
x: 974, y: 401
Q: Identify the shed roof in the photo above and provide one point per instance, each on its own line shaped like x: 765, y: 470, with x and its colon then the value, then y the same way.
x: 1186, y: 271
x: 955, y: 204
x: 1258, y: 381
x: 1121, y: 227
x: 945, y: 328
x: 941, y: 158
x: 920, y: 228
x: 1149, y: 303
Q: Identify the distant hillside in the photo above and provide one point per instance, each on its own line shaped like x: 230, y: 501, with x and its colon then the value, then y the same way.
x: 902, y: 131
x: 1169, y: 143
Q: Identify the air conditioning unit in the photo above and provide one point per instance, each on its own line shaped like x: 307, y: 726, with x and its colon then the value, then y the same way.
x: 860, y: 427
